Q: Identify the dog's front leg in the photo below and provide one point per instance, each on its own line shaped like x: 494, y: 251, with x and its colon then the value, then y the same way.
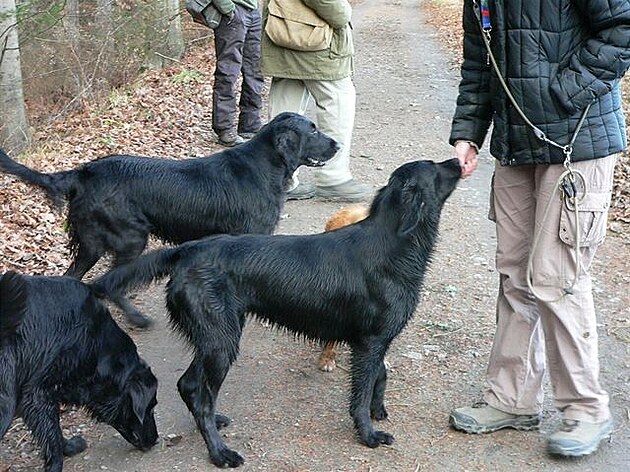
x: 8, y: 395
x: 41, y: 415
x: 368, y: 387
x: 377, y: 406
x: 201, y: 402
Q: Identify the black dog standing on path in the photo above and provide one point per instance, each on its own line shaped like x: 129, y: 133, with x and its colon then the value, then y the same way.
x: 59, y: 344
x: 116, y: 202
x: 359, y: 284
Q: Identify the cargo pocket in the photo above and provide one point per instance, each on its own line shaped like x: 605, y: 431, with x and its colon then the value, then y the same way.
x: 593, y: 216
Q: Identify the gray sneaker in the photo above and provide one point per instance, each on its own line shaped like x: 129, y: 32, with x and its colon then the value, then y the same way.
x: 303, y: 191
x: 351, y: 191
x: 578, y: 438
x: 229, y: 138
x: 482, y: 418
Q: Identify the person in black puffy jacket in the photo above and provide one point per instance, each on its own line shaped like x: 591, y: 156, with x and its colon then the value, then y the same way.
x: 562, y: 62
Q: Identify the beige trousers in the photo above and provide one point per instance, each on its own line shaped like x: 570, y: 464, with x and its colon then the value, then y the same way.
x: 530, y: 330
x: 335, y: 102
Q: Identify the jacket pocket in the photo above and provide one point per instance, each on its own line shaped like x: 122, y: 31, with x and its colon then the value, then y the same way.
x: 592, y: 216
x: 342, y: 45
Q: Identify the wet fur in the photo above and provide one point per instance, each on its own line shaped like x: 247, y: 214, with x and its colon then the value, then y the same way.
x: 115, y: 203
x: 344, y: 217
x: 359, y: 284
x: 59, y: 344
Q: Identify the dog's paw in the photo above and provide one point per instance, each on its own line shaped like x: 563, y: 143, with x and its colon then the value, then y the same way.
x: 221, y: 421
x: 379, y: 413
x: 138, y: 320
x: 227, y: 458
x: 74, y: 445
x: 326, y: 364
x: 376, y: 438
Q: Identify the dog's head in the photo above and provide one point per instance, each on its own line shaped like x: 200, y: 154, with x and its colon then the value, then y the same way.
x: 418, y: 191
x: 124, y: 396
x: 298, y: 142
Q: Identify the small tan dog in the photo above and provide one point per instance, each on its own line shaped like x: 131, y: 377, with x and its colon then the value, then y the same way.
x: 344, y: 217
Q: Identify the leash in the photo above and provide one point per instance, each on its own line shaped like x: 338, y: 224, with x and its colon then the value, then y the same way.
x: 569, y: 181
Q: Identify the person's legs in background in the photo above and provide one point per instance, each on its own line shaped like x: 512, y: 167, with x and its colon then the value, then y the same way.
x: 335, y: 108
x: 291, y: 95
x: 250, y: 103
x: 229, y: 39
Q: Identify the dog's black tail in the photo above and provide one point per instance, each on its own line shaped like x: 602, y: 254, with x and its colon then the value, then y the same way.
x: 138, y: 273
x: 57, y: 185
x: 12, y: 304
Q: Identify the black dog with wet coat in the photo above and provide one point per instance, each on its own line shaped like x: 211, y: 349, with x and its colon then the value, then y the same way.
x: 60, y: 345
x: 358, y: 284
x: 116, y: 202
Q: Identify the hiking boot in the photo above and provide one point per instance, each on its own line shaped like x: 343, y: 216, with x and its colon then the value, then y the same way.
x: 229, y: 138
x: 247, y: 135
x: 350, y: 191
x: 303, y: 191
x: 578, y: 438
x: 482, y: 418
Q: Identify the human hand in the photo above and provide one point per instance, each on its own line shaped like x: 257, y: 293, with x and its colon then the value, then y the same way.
x: 466, y: 152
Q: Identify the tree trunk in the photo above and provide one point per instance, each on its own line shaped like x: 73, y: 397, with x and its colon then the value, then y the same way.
x: 14, y: 130
x: 168, y: 44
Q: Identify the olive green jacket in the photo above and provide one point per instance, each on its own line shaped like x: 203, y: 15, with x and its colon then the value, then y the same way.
x: 227, y: 6
x: 333, y: 63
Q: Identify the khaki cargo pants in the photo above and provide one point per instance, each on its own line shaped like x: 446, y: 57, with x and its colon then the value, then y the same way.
x: 529, y: 330
x: 335, y: 102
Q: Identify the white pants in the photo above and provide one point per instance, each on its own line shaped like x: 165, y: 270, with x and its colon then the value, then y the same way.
x: 335, y: 102
x: 529, y: 330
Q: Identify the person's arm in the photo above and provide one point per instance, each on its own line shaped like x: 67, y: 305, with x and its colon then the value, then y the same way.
x: 337, y: 13
x: 225, y: 7
x: 601, y: 61
x: 474, y: 109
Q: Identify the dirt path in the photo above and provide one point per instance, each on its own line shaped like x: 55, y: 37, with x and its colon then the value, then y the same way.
x: 287, y: 415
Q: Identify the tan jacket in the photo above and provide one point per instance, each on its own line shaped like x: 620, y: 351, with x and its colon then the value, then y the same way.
x: 333, y: 63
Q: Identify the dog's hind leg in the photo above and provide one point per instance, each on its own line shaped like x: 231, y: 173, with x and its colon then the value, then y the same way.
x: 132, y: 314
x: 83, y: 261
x: 368, y: 387
x: 199, y: 388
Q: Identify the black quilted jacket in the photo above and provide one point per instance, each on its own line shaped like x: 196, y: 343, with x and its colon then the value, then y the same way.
x: 563, y: 55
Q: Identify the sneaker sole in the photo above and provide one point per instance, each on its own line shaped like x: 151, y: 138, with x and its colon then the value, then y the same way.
x: 341, y: 198
x: 578, y: 450
x: 523, y: 425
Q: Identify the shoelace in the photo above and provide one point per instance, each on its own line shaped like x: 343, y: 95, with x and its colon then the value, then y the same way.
x: 569, y: 425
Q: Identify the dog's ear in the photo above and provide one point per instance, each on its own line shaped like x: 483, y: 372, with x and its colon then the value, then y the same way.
x: 412, y: 207
x: 287, y: 144
x: 143, y: 388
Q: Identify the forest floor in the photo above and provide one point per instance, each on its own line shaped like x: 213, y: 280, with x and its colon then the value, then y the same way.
x: 289, y: 416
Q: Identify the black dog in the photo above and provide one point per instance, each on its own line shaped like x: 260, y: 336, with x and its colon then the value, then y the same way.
x: 116, y: 202
x: 59, y: 344
x: 359, y: 284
